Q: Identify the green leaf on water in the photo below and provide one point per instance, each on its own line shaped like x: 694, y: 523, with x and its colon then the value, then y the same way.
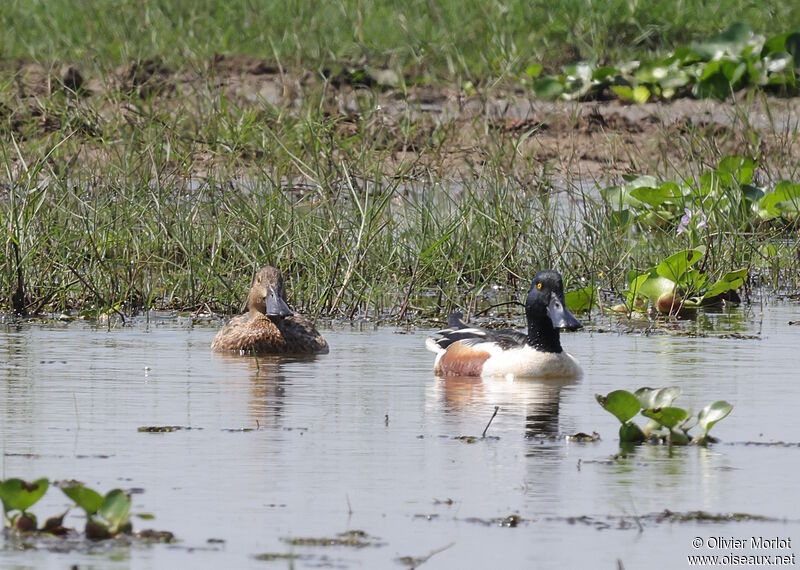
x: 657, y: 397
x: 712, y: 414
x: 87, y: 499
x: 580, y: 300
x: 621, y: 403
x: 654, y: 196
x: 630, y: 433
x: 677, y: 264
x: 731, y: 281
x: 115, y: 509
x: 668, y: 417
x: 773, y: 204
x: 654, y: 286
x: 20, y: 495
x: 677, y: 437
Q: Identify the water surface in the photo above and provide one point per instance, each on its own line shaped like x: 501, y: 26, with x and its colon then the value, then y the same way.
x: 366, y: 438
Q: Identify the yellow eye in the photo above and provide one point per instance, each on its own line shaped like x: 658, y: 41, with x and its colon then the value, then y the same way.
x: 539, y: 286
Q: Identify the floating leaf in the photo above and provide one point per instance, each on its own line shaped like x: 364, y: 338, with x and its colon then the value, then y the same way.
x: 20, y: 495
x: 115, y: 510
x: 774, y: 203
x: 657, y: 397
x: 621, y: 403
x: 731, y: 281
x: 668, y: 417
x: 713, y: 413
x: 87, y: 499
x: 655, y: 287
x: 580, y: 300
x: 677, y: 264
x: 655, y: 196
x: 630, y: 433
x: 677, y: 437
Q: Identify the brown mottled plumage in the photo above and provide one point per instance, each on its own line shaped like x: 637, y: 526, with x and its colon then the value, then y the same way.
x: 269, y: 326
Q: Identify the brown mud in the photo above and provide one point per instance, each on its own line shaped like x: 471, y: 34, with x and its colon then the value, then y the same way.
x: 413, y: 130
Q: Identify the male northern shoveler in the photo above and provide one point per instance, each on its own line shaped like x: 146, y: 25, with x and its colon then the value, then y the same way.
x: 269, y: 326
x: 462, y: 350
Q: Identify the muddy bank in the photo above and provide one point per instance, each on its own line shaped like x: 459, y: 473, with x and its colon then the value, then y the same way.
x: 410, y: 129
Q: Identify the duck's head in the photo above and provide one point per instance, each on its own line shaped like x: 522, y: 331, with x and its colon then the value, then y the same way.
x: 546, y: 311
x: 267, y: 294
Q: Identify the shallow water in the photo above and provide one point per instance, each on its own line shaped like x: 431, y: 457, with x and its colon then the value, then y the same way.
x: 364, y: 439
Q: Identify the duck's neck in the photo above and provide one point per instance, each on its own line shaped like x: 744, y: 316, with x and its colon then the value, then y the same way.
x: 541, y: 334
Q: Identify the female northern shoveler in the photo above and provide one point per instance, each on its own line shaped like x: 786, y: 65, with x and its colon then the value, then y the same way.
x: 269, y: 326
x: 462, y: 350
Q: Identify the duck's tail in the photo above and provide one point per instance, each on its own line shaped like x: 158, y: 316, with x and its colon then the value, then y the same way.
x: 432, y: 344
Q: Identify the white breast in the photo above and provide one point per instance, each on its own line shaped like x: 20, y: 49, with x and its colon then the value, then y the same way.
x: 526, y: 361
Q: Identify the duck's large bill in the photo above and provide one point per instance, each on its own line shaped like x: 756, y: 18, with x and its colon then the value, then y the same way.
x: 561, y: 317
x: 276, y: 306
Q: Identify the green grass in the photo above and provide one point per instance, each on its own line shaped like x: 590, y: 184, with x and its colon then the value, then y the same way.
x: 168, y: 211
x: 172, y: 196
x: 446, y: 39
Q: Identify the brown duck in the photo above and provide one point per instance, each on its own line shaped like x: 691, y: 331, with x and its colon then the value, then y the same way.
x: 269, y: 326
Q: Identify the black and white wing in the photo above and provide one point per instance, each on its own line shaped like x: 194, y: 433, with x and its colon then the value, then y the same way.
x: 457, y: 330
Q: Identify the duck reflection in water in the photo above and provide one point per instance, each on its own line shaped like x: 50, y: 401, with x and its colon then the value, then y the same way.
x: 267, y: 388
x: 538, y: 400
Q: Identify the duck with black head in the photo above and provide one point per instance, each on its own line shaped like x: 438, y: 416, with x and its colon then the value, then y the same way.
x: 462, y: 350
x: 269, y: 326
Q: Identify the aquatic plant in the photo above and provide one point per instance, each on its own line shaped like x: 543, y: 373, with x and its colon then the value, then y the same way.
x: 722, y: 198
x: 725, y: 63
x: 674, y: 285
x: 667, y: 422
x: 106, y: 516
x: 18, y: 496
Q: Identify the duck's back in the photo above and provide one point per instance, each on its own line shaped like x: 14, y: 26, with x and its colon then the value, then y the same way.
x: 260, y: 334
x: 301, y: 336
